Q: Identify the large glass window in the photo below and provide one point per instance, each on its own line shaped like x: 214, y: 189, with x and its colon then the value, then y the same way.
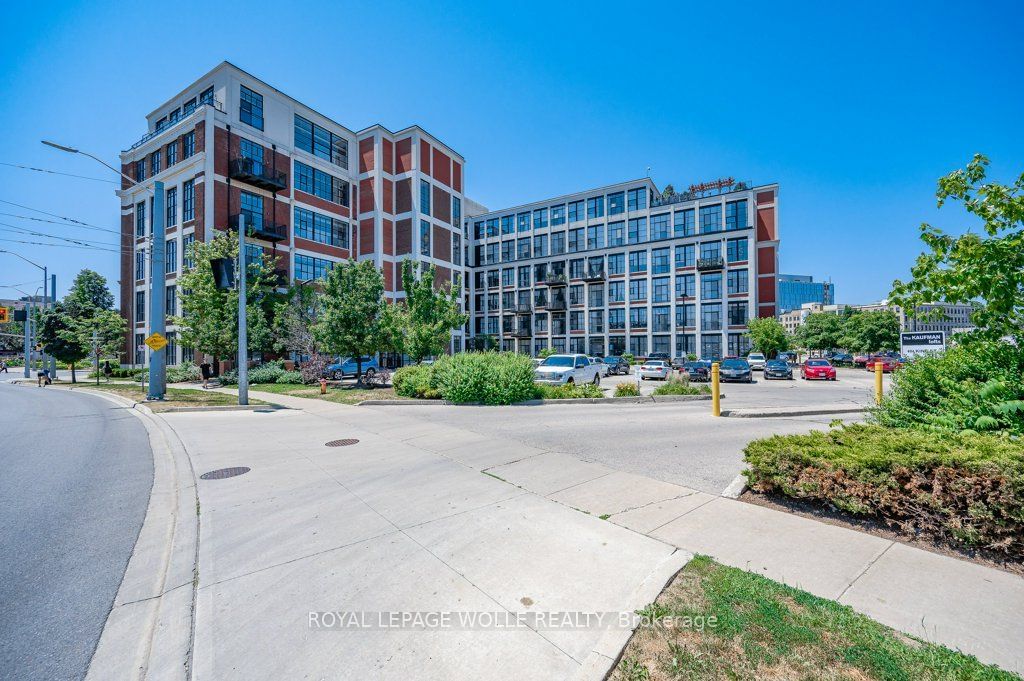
x: 576, y: 240
x: 711, y: 218
x: 596, y: 321
x: 492, y: 227
x: 172, y: 153
x: 425, y: 198
x: 738, y: 313
x: 424, y: 237
x: 321, y: 228
x: 686, y: 286
x: 186, y: 251
x: 252, y: 209
x: 575, y: 211
x: 616, y: 233
x: 308, y: 268
x: 456, y: 249
x: 637, y: 262
x: 524, y: 222
x: 711, y: 317
x: 540, y: 218
x: 637, y: 199
x: 140, y: 265
x: 711, y: 286
x: 685, y: 255
x: 171, y: 300
x: 637, y: 230
x: 686, y: 344
x: 318, y: 183
x: 736, y: 250
x: 661, y: 289
x: 661, y: 320
x: 595, y: 295
x: 711, y: 250
x: 321, y: 142
x: 616, y: 318
x: 154, y: 162
x: 524, y: 276
x: 659, y: 226
x: 523, y: 248
x: 638, y: 346
x: 616, y: 203
x: 711, y: 346
x: 140, y: 219
x: 558, y: 215
x: 188, y: 144
x: 637, y: 290
x: 682, y: 224
x: 739, y: 344
x: 616, y: 291
x: 171, y: 197
x: 250, y: 108
x: 508, y: 250
x: 140, y: 306
x: 660, y: 263
x: 738, y: 281
x: 557, y: 243
x: 540, y: 245
x: 686, y: 315
x: 595, y: 207
x: 508, y: 224
x: 595, y: 236
x: 188, y: 201
x: 736, y: 215
x: 616, y: 263
x: 638, y: 318
x: 457, y: 212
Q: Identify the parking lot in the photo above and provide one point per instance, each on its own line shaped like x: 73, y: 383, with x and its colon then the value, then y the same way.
x: 851, y: 387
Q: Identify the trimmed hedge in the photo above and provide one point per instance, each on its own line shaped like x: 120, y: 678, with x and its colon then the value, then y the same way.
x: 967, y: 490
x: 569, y: 391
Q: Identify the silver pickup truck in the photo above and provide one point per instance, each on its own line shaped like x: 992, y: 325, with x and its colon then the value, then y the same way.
x: 562, y: 369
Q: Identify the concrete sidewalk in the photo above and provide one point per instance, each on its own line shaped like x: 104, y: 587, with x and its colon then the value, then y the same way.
x: 404, y: 520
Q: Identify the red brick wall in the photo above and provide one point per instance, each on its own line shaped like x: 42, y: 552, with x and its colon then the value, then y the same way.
x: 366, y: 155
x: 457, y: 176
x: 442, y: 167
x: 226, y: 202
x: 388, y: 152
x: 366, y: 236
x: 323, y: 249
x: 321, y: 204
x: 388, y: 247
x: 766, y: 224
x: 366, y: 200
x: 388, y: 271
x: 765, y: 197
x: 227, y: 146
x: 403, y: 237
x: 766, y: 290
x: 403, y: 155
x: 766, y: 260
x: 424, y: 158
x: 442, y: 246
x: 442, y: 205
x: 388, y: 195
x: 403, y: 196
x: 442, y: 275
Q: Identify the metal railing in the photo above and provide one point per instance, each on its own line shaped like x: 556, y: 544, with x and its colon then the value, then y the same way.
x: 210, y: 101
x: 683, y: 197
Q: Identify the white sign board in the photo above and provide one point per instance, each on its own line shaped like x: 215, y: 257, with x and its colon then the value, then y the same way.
x: 922, y: 342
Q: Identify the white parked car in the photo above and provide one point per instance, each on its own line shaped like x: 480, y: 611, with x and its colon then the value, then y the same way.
x: 756, y: 361
x: 562, y: 369
x: 654, y: 368
x: 602, y: 368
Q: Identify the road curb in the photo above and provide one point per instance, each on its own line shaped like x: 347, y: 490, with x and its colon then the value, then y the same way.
x: 797, y: 411
x: 539, y: 403
x: 151, y: 624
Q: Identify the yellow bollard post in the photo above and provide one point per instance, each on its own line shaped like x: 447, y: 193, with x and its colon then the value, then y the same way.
x: 878, y: 382
x: 716, y: 404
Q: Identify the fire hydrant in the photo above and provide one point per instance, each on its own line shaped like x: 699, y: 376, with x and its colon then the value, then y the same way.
x: 323, y: 386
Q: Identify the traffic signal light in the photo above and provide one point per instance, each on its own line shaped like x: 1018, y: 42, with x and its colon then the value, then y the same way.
x: 223, y: 272
x: 4, y: 318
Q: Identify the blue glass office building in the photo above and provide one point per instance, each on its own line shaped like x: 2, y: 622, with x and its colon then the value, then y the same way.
x: 797, y: 289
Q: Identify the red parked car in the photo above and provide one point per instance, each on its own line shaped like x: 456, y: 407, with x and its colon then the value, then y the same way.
x: 860, y: 359
x: 818, y: 368
x: 889, y: 363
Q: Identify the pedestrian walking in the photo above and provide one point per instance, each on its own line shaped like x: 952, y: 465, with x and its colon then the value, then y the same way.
x: 108, y: 371
x: 3, y: 367
x: 43, y: 378
x: 205, y: 368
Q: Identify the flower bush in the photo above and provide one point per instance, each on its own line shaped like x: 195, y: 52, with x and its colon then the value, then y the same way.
x: 628, y: 389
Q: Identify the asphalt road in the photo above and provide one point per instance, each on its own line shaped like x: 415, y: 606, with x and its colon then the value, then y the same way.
x: 74, y: 487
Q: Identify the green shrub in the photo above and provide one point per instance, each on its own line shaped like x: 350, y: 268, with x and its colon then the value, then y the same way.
x: 963, y: 489
x: 629, y: 357
x: 414, y: 381
x: 485, y: 377
x: 677, y: 384
x: 628, y: 389
x: 266, y: 373
x: 973, y: 387
x: 290, y: 377
x: 183, y: 372
x: 568, y: 391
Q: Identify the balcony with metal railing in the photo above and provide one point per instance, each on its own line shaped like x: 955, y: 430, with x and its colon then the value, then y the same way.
x: 594, y: 274
x: 172, y: 122
x: 553, y: 279
x: 259, y: 228
x: 710, y: 264
x: 258, y: 174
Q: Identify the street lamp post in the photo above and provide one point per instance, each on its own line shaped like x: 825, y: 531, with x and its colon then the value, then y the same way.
x: 45, y: 298
x: 157, y: 279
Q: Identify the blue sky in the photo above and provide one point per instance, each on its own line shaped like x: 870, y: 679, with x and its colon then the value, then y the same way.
x: 855, y: 112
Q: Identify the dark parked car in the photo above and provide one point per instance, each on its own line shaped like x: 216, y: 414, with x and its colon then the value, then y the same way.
x: 659, y: 356
x: 735, y: 370
x: 697, y: 371
x: 841, y: 358
x: 788, y: 357
x: 616, y: 365
x: 777, y: 368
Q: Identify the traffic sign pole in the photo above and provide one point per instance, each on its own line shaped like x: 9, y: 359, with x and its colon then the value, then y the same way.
x: 157, y: 280
x: 243, y: 340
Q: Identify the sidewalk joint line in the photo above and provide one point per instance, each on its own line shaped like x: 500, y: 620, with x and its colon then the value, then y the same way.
x: 866, y: 568
x: 683, y: 514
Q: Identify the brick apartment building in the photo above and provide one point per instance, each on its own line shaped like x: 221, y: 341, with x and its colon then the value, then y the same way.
x: 314, y: 192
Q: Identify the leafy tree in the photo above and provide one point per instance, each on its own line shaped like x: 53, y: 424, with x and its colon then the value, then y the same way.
x: 767, y: 335
x: 12, y: 335
x: 547, y: 352
x: 353, y: 317
x: 66, y: 330
x: 209, y: 320
x: 430, y: 314
x: 986, y: 268
x: 483, y: 342
x: 871, y: 331
x: 293, y: 318
x: 668, y: 192
x: 820, y: 331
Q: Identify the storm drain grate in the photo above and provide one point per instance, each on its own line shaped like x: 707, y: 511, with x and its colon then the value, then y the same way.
x: 343, y: 442
x: 222, y: 473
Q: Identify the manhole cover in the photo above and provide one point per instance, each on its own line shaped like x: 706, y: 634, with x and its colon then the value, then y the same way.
x: 342, y: 443
x: 225, y: 473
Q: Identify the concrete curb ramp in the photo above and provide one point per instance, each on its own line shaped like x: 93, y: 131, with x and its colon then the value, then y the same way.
x: 149, y: 630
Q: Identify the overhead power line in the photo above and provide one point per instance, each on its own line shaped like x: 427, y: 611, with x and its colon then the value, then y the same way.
x: 56, y: 172
x: 40, y: 243
x: 66, y: 219
x: 31, y: 232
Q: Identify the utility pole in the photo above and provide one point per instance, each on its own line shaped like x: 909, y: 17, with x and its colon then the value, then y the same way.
x: 46, y: 297
x: 157, y: 285
x: 53, y: 305
x: 96, y: 355
x: 28, y: 338
x: 243, y: 340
